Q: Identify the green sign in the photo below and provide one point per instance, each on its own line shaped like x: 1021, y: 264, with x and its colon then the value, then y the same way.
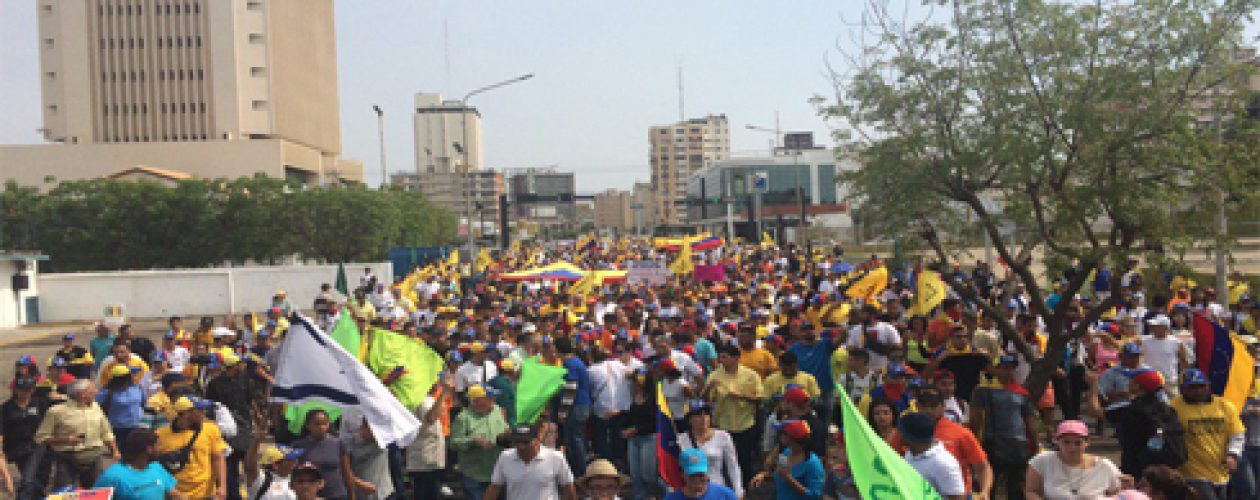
x: 880, y: 473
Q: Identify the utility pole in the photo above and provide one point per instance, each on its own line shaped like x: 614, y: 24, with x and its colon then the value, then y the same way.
x: 380, y: 131
x: 1222, y: 224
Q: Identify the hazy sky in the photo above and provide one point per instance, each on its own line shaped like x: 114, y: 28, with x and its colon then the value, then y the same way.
x: 605, y: 71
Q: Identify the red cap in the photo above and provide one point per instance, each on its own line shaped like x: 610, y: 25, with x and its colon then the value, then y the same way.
x: 667, y: 365
x: 796, y: 396
x: 1149, y: 380
x: 798, y: 430
x: 689, y: 349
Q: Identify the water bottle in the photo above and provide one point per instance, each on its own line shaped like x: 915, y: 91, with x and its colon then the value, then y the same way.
x: 1156, y: 441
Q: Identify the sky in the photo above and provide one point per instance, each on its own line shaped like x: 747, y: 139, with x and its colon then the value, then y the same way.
x: 604, y: 71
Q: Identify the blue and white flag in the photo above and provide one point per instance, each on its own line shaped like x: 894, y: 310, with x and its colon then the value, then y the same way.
x: 314, y: 367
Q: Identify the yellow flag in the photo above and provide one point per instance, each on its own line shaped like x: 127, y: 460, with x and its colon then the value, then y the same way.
x: 930, y: 292
x: 585, y: 287
x: 682, y: 265
x: 453, y: 259
x: 875, y: 281
x: 767, y: 241
x: 483, y: 259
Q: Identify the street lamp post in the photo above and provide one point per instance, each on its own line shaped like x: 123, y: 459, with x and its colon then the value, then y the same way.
x: 463, y: 105
x: 380, y: 132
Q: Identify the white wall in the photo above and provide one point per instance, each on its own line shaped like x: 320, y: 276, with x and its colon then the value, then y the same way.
x: 187, y: 292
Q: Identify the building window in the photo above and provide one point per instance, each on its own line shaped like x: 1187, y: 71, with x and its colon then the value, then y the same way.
x: 258, y: 105
x: 256, y: 71
x: 255, y: 38
x: 47, y: 7
x: 201, y: 74
x: 253, y: 5
x: 48, y: 42
x: 52, y: 109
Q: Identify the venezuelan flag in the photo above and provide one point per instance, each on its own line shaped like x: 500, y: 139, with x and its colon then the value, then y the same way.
x: 706, y: 243
x: 1223, y: 357
x: 668, y: 452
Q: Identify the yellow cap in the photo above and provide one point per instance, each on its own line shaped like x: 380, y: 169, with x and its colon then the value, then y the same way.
x: 281, y: 292
x: 230, y: 359
x: 185, y: 403
x: 476, y: 391
x: 478, y: 347
x: 507, y: 365
x: 119, y: 370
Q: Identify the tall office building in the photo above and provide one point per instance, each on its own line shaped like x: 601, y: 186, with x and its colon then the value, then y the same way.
x: 448, y: 133
x: 210, y: 88
x: 613, y: 212
x: 677, y: 152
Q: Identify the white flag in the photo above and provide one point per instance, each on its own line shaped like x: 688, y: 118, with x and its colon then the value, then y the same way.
x: 313, y: 366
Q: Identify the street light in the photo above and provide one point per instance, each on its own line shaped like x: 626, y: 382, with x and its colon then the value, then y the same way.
x: 463, y: 105
x: 799, y: 193
x: 380, y: 131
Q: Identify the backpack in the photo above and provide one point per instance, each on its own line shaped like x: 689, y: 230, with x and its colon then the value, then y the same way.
x: 1173, y: 452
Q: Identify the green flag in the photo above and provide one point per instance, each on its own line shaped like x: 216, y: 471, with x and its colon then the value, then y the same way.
x: 878, y: 470
x: 296, y: 414
x: 388, y: 350
x: 346, y: 333
x: 538, y: 384
x: 342, y: 287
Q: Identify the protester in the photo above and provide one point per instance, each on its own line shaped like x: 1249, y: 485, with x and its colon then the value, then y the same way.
x: 325, y: 451
x: 1004, y: 419
x: 198, y: 446
x: 957, y: 440
x: 269, y: 471
x: 475, y: 435
x: 1147, y: 416
x: 1214, y: 435
x: 1161, y: 482
x: 717, y: 445
x: 80, y: 436
x: 530, y: 471
x: 1070, y: 472
x: 307, y: 482
x: 929, y: 458
x: 736, y: 391
x: 602, y: 481
x: 798, y: 473
x: 122, y: 401
x: 640, y: 434
x: 696, y: 482
x: 138, y: 476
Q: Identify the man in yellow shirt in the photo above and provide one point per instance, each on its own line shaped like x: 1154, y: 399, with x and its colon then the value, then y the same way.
x: 79, y: 433
x: 736, y: 391
x: 753, y: 357
x: 204, y: 474
x: 1214, y: 435
x: 122, y: 355
x: 790, y: 373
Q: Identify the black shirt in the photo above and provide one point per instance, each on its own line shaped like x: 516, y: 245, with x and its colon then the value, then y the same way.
x: 18, y: 426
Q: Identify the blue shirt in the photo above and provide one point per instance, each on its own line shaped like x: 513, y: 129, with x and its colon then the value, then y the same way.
x: 152, y: 483
x: 100, y: 348
x: 706, y: 354
x: 815, y: 359
x: 809, y: 473
x: 125, y: 408
x: 577, y: 373
x: 713, y: 492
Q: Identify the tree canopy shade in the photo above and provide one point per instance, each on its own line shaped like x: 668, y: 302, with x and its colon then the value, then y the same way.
x: 1088, y: 124
x: 112, y: 225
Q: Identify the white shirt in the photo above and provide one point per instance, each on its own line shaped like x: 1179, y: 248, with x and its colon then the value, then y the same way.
x: 469, y: 374
x: 1161, y: 354
x: 940, y: 469
x: 721, y: 452
x: 675, y: 398
x: 625, y: 393
x: 539, y: 479
x: 1058, y: 481
x: 604, y: 384
x: 428, y: 451
x: 177, y: 357
x: 885, y: 334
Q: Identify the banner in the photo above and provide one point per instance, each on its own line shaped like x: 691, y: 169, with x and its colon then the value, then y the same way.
x: 645, y: 272
x: 538, y: 384
x: 710, y: 273
x: 873, y: 282
x: 877, y: 469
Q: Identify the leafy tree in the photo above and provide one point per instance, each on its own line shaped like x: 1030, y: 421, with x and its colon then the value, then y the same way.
x: 1073, y: 121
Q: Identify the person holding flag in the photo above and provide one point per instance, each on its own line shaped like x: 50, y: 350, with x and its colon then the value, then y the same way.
x: 1214, y: 435
x: 929, y: 457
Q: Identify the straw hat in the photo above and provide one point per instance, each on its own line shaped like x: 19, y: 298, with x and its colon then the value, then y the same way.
x: 602, y: 468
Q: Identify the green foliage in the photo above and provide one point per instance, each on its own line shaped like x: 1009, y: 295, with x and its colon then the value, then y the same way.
x: 110, y: 225
x: 1079, y: 123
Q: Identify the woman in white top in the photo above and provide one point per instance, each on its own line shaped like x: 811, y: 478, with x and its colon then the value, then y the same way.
x: 716, y: 444
x: 1070, y: 473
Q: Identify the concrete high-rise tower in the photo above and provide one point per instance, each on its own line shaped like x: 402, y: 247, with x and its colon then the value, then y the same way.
x: 677, y: 152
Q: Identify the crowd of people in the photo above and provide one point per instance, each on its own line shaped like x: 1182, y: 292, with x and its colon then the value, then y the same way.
x: 750, y: 371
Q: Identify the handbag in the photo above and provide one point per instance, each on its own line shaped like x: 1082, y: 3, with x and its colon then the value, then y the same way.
x: 175, y: 461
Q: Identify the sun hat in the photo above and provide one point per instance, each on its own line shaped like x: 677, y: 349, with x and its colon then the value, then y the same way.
x: 602, y: 468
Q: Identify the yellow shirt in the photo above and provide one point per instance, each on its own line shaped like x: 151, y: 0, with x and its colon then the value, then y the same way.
x: 196, y: 480
x: 365, y: 310
x: 775, y: 383
x: 759, y: 360
x: 75, y: 419
x: 1208, y: 428
x: 735, y: 414
x: 840, y: 361
x: 1237, y: 289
